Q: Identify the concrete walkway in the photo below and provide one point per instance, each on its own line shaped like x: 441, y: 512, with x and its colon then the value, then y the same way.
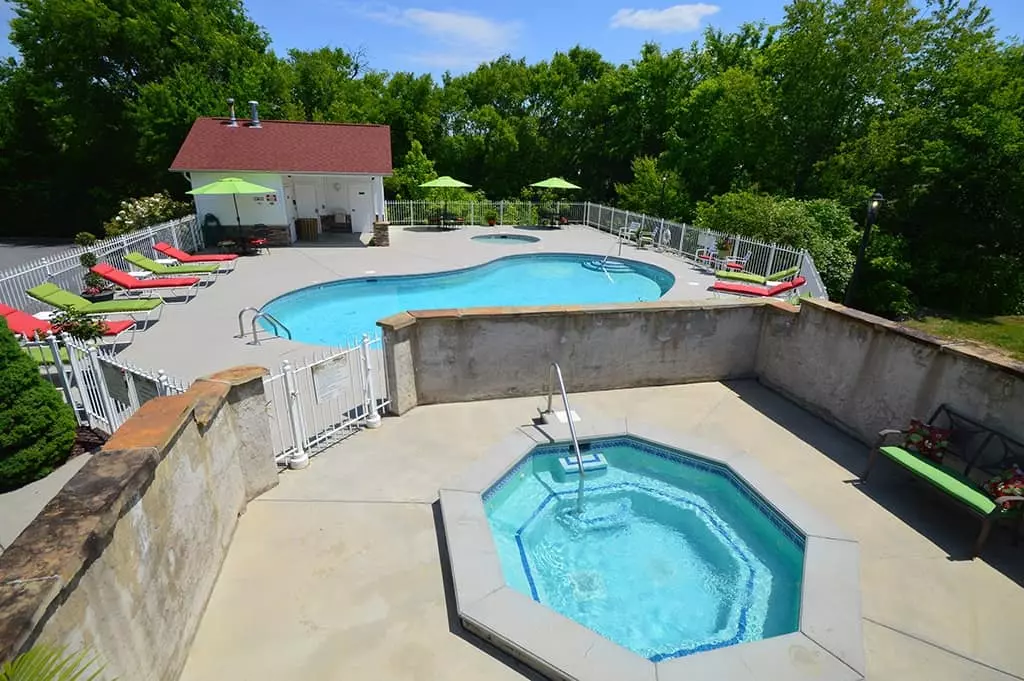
x: 338, y: 573
x: 198, y: 337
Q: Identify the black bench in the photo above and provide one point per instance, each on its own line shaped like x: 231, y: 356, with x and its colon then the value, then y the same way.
x: 976, y: 453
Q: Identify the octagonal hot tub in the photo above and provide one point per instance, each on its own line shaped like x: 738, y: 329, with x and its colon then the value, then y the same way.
x: 662, y: 553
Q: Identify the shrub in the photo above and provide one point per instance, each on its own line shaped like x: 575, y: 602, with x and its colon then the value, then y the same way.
x: 85, y: 239
x: 823, y: 227
x: 77, y: 324
x: 92, y: 283
x: 37, y: 429
x: 144, y: 212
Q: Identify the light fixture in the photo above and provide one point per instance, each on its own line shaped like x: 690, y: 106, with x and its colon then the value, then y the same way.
x: 874, y: 204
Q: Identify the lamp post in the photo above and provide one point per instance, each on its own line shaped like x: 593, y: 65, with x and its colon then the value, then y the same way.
x: 874, y: 204
x: 661, y: 202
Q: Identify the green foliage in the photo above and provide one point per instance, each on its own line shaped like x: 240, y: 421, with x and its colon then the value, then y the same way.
x: 85, y: 239
x: 416, y: 169
x: 145, y: 212
x: 821, y: 226
x: 37, y: 429
x: 47, y: 663
x: 654, y: 191
x: 917, y: 99
x: 77, y: 324
x: 92, y: 283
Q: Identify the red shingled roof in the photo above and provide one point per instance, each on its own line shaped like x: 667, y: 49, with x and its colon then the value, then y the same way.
x: 286, y: 147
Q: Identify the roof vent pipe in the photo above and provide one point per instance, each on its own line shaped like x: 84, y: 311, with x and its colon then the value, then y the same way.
x: 231, y: 105
x: 254, y: 106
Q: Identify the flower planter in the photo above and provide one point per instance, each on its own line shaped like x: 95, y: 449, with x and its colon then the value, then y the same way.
x: 99, y: 297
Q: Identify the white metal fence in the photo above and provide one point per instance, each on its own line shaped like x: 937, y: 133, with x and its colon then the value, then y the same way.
x: 65, y: 270
x: 763, y: 258
x: 483, y: 212
x: 102, y: 389
x: 325, y: 399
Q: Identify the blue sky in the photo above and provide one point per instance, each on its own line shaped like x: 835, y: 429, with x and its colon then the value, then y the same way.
x: 434, y: 36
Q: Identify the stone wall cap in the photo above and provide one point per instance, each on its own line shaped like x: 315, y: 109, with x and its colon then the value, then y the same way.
x: 396, y: 321
x: 967, y: 349
x: 238, y: 375
x: 407, y: 318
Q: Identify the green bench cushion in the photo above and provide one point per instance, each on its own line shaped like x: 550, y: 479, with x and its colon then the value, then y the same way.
x: 949, y: 481
x: 741, y: 276
x: 44, y: 356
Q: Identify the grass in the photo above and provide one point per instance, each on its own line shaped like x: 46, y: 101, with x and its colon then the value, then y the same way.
x: 1005, y: 334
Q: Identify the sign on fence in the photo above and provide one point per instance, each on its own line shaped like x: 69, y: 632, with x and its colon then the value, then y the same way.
x: 121, y: 384
x: 329, y: 378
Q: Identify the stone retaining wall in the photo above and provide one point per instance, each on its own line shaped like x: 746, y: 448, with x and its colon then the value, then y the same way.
x: 122, y: 561
x: 860, y: 372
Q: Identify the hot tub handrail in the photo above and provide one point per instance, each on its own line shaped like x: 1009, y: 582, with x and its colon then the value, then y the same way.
x: 556, y: 371
x: 277, y: 324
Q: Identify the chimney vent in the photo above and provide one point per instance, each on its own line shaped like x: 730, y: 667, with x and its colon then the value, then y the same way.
x: 234, y: 121
x: 254, y: 106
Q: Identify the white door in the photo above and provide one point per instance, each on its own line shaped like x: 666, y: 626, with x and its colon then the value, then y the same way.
x: 305, y: 200
x: 360, y: 207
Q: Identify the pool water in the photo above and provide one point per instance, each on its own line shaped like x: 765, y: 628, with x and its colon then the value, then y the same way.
x: 669, y: 556
x: 340, y: 312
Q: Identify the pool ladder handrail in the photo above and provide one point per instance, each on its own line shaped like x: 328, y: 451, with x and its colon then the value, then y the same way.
x: 556, y: 371
x: 275, y: 322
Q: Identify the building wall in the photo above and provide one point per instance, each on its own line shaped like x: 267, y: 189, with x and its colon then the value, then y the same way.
x: 253, y: 210
x: 123, y: 560
x: 334, y: 194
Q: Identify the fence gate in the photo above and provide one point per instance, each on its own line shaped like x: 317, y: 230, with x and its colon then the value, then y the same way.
x: 325, y: 399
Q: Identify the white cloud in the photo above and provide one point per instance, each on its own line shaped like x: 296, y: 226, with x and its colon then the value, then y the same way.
x: 461, y: 39
x: 674, y: 19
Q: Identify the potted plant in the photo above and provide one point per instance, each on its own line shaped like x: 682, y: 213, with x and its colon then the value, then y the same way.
x: 724, y: 246
x: 94, y: 287
x: 78, y: 324
x: 491, y: 216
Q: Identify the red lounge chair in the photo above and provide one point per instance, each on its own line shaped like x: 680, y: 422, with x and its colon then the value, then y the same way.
x: 24, y: 324
x: 130, y: 283
x: 227, y: 260
x: 759, y: 291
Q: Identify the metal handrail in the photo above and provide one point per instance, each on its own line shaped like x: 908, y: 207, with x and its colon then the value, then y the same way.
x: 557, y: 371
x: 277, y: 324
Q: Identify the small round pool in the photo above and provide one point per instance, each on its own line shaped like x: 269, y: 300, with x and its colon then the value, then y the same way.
x: 339, y: 312
x: 506, y: 238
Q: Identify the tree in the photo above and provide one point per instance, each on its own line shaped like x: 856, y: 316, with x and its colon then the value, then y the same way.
x: 37, y: 429
x: 416, y: 169
x: 92, y: 72
x: 653, y: 190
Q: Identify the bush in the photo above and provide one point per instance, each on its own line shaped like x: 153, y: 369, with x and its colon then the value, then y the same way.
x: 822, y: 227
x: 77, y: 324
x: 144, y: 212
x: 37, y: 429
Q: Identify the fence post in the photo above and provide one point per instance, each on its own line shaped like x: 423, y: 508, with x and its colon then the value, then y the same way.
x: 682, y: 234
x: 412, y: 220
x: 373, y: 415
x: 300, y: 459
x: 771, y: 259
x: 51, y: 340
x: 101, y: 387
x: 472, y: 210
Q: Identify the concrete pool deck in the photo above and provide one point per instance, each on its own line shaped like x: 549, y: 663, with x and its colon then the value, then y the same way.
x: 198, y: 337
x: 340, y: 572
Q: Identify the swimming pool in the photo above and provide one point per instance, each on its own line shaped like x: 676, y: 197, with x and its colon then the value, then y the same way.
x: 664, y: 553
x: 340, y: 312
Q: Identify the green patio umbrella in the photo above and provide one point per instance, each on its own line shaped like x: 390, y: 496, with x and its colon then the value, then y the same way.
x: 445, y: 182
x: 233, y: 186
x: 554, y: 183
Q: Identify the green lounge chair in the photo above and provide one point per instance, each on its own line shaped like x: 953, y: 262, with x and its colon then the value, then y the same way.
x: 757, y: 278
x: 153, y: 266
x: 44, y: 356
x: 54, y: 295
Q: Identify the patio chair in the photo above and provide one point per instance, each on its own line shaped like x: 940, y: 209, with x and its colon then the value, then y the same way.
x: 226, y: 261
x: 55, y: 296
x: 24, y: 324
x: 751, y: 278
x: 737, y: 264
x: 758, y: 291
x: 153, y: 266
x: 707, y: 258
x: 179, y: 287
